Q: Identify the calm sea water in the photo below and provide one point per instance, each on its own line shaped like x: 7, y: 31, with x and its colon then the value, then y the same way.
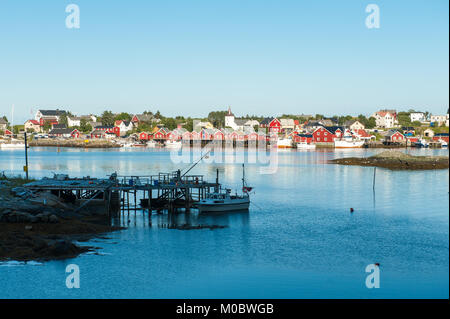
x: 298, y: 240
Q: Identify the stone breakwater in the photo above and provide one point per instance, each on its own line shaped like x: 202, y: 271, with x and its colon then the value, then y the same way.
x: 39, y: 226
x: 73, y: 143
x: 396, y: 160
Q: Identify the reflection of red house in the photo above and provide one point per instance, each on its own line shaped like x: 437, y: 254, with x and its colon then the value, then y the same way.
x: 218, y: 135
x: 252, y: 136
x: 327, y: 134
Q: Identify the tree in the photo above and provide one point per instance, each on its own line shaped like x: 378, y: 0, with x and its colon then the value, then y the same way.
x: 217, y: 118
x: 47, y: 126
x: 107, y: 118
x: 85, y: 127
x: 123, y: 117
x: 5, y: 118
x: 63, y: 120
x: 169, y: 123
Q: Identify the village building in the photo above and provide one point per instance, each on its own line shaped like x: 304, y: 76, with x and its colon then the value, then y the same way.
x: 303, y: 138
x: 417, y: 117
x: 272, y: 125
x: 394, y: 136
x: 428, y: 132
x: 64, y: 132
x: 43, y: 116
x: 32, y: 125
x: 385, y: 118
x: 161, y: 134
x: 95, y: 124
x: 76, y: 120
x: 124, y: 126
x: 58, y: 126
x: 327, y: 134
x: 287, y: 125
x: 113, y: 130
x: 144, y: 118
x: 3, y: 124
x: 439, y: 120
x: 354, y: 125
x: 441, y: 136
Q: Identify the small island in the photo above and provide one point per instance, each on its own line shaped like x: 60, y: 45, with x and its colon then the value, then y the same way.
x: 396, y: 160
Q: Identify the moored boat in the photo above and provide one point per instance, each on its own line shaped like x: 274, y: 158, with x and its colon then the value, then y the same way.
x: 284, y: 143
x: 12, y: 146
x: 305, y: 146
x: 223, y: 201
x: 348, y: 143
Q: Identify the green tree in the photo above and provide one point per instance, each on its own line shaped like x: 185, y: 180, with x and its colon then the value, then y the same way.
x: 107, y: 118
x: 63, y: 120
x: 85, y: 127
x: 123, y: 117
x: 217, y: 118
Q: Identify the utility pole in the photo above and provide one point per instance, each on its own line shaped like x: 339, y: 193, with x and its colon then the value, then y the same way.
x: 26, y: 155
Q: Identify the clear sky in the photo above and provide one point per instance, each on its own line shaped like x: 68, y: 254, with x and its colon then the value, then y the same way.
x: 192, y: 57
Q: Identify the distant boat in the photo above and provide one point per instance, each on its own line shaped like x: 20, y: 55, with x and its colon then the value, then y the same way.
x: 284, y: 143
x: 421, y: 143
x: 12, y: 146
x: 444, y: 144
x: 223, y: 201
x: 173, y: 144
x: 306, y: 146
x: 348, y: 143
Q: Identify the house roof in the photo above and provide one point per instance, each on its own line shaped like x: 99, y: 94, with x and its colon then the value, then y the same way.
x: 59, y: 126
x: 267, y: 121
x: 333, y: 129
x: 229, y: 112
x: 34, y: 122
x: 2, y: 121
x: 441, y: 134
x: 61, y: 131
x: 287, y: 122
x: 144, y: 117
x: 240, y: 122
x: 390, y: 133
x: 52, y: 112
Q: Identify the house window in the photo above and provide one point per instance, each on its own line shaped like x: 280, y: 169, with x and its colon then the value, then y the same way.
x: 318, y: 139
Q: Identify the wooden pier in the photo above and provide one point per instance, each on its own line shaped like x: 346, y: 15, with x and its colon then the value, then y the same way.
x: 165, y: 191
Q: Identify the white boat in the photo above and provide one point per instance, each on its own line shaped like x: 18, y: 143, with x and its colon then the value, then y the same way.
x: 173, y: 144
x: 284, y: 143
x: 223, y: 201
x: 305, y: 146
x: 12, y: 146
x: 348, y: 143
x: 444, y: 144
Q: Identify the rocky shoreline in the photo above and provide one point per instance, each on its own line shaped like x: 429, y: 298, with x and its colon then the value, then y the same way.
x: 73, y: 143
x: 396, y: 160
x: 40, y: 227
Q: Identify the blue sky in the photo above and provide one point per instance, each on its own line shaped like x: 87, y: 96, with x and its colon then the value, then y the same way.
x: 192, y: 57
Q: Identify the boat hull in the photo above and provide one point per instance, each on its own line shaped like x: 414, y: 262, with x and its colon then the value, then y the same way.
x: 226, y: 207
x: 11, y: 146
x: 347, y: 144
x: 306, y: 146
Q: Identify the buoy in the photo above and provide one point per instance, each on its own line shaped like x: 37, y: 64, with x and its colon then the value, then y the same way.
x: 377, y: 264
x: 351, y: 210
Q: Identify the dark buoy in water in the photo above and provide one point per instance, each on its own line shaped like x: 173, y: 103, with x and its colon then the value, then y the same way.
x: 351, y: 210
x: 377, y: 264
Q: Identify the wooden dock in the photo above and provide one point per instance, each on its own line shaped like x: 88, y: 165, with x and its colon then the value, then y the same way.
x: 165, y: 191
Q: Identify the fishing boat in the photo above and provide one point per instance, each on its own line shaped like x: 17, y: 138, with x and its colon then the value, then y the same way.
x: 222, y: 200
x: 348, y: 142
x: 305, y: 146
x: 13, y: 144
x: 421, y: 143
x: 173, y: 144
x: 444, y: 144
x: 284, y: 143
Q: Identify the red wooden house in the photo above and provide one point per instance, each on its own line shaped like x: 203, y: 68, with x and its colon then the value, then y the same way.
x: 219, y: 136
x: 272, y: 124
x: 144, y: 136
x: 161, y: 134
x: 394, y: 136
x: 195, y: 136
x: 441, y: 136
x: 327, y: 134
x: 187, y: 136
